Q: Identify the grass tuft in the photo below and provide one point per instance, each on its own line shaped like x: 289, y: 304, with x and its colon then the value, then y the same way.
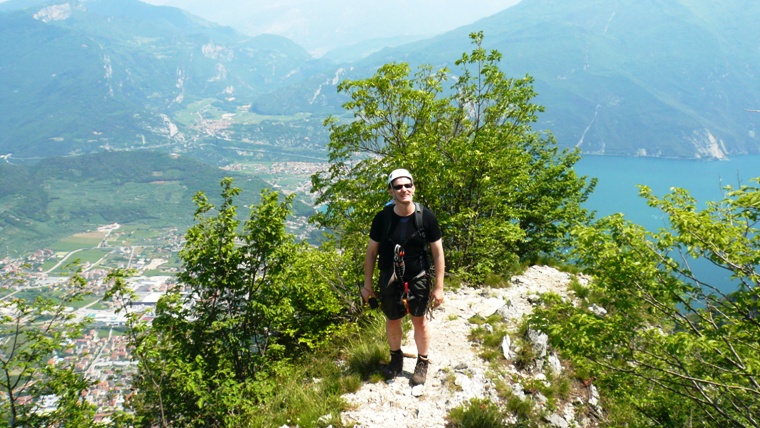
x: 493, y: 280
x: 477, y: 413
x: 489, y: 333
x: 581, y: 291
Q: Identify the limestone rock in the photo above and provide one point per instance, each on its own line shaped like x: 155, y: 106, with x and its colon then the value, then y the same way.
x: 597, y: 310
x: 506, y: 343
x: 490, y: 306
x: 539, y: 341
x: 556, y: 420
x: 555, y: 366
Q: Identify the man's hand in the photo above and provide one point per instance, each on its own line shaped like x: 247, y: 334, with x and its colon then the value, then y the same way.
x: 368, y: 294
x: 437, y: 297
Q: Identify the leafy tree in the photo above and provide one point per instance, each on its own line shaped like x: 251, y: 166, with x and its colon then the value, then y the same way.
x: 32, y: 334
x: 501, y: 190
x: 250, y: 300
x: 674, y: 347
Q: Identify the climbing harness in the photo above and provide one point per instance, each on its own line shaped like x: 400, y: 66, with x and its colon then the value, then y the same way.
x: 398, y: 265
x: 398, y: 278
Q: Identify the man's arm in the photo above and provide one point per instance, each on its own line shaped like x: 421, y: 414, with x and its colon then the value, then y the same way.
x: 369, y: 268
x: 436, y: 249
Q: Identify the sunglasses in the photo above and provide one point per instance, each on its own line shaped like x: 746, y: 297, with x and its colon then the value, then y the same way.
x: 407, y: 185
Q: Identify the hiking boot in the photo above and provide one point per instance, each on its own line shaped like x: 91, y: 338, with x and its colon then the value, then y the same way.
x: 420, y: 371
x: 395, y: 367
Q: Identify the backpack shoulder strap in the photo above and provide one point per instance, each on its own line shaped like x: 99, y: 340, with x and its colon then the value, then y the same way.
x: 387, y: 217
x: 418, y: 208
x: 421, y: 230
x: 418, y: 218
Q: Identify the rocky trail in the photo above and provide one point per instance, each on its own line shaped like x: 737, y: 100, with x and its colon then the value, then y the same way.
x: 456, y: 373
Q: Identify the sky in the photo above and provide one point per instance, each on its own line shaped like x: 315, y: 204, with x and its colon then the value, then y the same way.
x: 320, y: 25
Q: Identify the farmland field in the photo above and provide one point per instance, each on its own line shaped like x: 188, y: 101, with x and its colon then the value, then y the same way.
x: 78, y: 241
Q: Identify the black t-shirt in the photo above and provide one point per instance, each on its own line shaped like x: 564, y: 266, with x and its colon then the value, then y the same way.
x: 402, y: 232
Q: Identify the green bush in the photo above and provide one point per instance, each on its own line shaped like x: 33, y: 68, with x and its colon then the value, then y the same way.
x: 673, y: 348
x: 477, y: 413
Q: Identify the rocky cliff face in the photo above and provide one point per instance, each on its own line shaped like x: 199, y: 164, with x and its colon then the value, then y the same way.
x: 458, y: 373
x: 707, y: 146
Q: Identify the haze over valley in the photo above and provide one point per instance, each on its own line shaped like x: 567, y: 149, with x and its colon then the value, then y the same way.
x: 326, y: 26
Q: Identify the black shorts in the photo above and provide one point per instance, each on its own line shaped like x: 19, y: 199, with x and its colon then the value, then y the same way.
x: 391, y: 296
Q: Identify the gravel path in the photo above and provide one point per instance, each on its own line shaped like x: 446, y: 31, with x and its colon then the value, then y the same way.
x: 456, y: 373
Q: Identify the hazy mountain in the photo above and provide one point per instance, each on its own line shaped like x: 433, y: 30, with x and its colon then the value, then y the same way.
x: 87, y: 75
x: 624, y: 77
x: 321, y: 26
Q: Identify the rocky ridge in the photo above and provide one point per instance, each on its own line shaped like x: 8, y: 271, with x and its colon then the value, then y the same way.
x: 457, y: 373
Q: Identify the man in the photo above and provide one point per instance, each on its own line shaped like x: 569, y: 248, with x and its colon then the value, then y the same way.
x: 408, y: 289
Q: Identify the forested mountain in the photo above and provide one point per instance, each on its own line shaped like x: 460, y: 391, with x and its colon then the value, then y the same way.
x: 77, y: 77
x: 622, y: 77
x: 55, y: 197
x: 617, y: 77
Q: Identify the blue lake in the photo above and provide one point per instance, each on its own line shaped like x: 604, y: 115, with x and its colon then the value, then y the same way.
x: 618, y: 177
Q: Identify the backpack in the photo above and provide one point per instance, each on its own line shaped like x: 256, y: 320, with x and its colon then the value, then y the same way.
x: 388, y: 216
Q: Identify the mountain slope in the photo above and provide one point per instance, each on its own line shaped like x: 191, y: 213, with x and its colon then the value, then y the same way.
x: 621, y: 77
x: 42, y: 203
x: 82, y: 75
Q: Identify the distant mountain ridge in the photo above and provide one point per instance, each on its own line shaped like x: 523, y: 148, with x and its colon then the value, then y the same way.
x: 628, y: 78
x: 84, y: 76
x: 617, y: 77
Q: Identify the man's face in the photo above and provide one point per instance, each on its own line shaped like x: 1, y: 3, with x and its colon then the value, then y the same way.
x: 402, y: 189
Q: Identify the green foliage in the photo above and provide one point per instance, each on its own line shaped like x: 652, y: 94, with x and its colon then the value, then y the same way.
x: 523, y: 409
x: 476, y: 413
x: 524, y: 354
x: 322, y: 292
x: 501, y: 191
x: 72, y: 408
x: 250, y: 302
x: 674, y: 347
x: 309, y: 389
x: 581, y: 291
x: 493, y: 280
x: 366, y: 357
x: 32, y: 332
